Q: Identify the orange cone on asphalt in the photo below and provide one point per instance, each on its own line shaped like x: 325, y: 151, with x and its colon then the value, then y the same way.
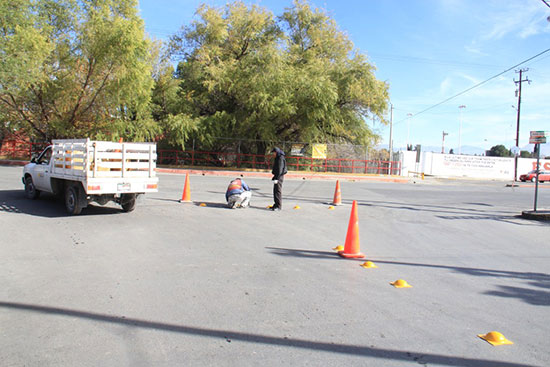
x: 186, y: 196
x: 351, y: 247
x: 337, y: 194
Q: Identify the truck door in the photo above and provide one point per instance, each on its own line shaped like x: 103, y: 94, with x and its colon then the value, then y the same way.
x: 42, y: 171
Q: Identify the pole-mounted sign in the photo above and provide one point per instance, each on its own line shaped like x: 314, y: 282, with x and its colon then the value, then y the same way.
x: 537, y: 138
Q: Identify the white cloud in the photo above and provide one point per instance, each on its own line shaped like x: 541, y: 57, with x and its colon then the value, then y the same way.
x: 519, y: 17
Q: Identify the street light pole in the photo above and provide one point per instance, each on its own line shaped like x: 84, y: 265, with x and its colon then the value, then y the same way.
x: 443, y: 142
x: 460, y: 129
x: 391, y: 140
x: 409, y: 115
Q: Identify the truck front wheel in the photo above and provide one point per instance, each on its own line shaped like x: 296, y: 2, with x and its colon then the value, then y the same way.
x: 71, y: 200
x: 30, y: 190
x: 128, y: 202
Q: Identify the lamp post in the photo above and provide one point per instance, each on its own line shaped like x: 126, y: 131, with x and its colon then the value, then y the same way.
x: 443, y: 142
x: 409, y: 115
x: 460, y: 128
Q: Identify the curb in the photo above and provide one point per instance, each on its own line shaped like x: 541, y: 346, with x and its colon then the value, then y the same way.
x: 4, y: 162
x: 543, y: 215
x: 292, y: 175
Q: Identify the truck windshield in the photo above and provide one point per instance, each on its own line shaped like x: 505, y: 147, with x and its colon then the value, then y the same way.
x: 45, y: 156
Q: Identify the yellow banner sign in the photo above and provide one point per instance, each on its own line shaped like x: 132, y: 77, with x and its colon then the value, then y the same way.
x: 319, y: 151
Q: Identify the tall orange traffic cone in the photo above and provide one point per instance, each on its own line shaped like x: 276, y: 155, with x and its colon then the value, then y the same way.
x: 186, y: 196
x: 351, y: 247
x: 337, y: 194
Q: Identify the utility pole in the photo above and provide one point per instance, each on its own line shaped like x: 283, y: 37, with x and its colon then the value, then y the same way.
x: 391, y: 139
x: 518, y: 92
x: 443, y: 143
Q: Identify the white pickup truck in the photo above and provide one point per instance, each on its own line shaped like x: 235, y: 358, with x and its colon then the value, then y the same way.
x: 100, y: 171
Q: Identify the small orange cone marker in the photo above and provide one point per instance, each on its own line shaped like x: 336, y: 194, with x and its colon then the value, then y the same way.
x: 331, y: 208
x: 337, y: 194
x: 400, y: 283
x: 495, y: 338
x: 203, y: 204
x: 120, y: 140
x: 368, y: 265
x: 297, y: 207
x: 338, y: 248
x: 186, y: 196
x: 351, y: 247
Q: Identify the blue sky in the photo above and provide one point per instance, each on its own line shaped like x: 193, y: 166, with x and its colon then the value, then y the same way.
x: 428, y: 51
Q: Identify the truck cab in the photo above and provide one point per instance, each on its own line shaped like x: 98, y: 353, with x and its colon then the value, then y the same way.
x: 39, y: 170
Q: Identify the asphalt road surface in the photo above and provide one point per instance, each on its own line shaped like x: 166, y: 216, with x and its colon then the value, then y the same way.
x: 179, y: 284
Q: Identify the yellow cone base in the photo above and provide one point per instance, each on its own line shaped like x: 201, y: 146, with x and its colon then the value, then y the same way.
x: 495, y: 338
x: 400, y: 283
x: 368, y: 265
x: 351, y: 256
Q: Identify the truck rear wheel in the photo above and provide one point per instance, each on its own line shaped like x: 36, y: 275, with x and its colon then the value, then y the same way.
x: 30, y: 190
x: 128, y: 202
x: 71, y: 200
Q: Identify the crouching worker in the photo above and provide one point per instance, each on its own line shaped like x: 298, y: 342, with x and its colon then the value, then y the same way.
x: 238, y: 194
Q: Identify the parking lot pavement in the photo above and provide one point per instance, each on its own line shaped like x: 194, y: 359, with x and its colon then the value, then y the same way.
x: 180, y: 284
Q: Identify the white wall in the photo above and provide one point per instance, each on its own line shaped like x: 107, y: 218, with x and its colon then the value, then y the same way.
x: 453, y: 165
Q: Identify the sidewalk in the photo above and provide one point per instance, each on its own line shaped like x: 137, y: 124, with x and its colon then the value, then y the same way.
x: 290, y: 174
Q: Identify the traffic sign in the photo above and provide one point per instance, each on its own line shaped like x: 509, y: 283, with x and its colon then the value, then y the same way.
x: 540, y: 133
x: 537, y: 140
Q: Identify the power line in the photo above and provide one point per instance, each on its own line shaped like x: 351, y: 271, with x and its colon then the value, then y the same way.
x: 475, y: 86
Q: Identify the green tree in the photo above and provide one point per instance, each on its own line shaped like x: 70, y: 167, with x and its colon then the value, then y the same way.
x: 75, y: 68
x: 498, y: 151
x: 246, y: 74
x: 526, y: 154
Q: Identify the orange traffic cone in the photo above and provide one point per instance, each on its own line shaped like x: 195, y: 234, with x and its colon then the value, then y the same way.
x: 337, y: 194
x: 351, y: 247
x: 186, y: 196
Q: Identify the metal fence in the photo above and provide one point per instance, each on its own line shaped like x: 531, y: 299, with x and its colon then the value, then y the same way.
x: 20, y: 149
x: 258, y: 161
x: 23, y: 150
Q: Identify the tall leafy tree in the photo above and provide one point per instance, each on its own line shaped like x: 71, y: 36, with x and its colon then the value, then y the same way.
x: 75, y: 68
x: 247, y: 74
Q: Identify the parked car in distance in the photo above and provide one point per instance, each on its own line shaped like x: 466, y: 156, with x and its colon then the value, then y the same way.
x: 532, y: 176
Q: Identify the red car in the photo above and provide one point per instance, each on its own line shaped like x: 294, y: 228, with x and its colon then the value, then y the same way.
x: 532, y: 176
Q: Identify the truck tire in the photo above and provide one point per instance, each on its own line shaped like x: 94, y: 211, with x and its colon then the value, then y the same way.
x: 30, y: 190
x: 72, y: 204
x: 128, y: 202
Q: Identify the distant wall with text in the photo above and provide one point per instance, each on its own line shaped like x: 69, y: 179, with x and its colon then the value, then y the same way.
x: 453, y: 165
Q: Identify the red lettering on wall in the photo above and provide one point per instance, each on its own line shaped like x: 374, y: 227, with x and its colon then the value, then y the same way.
x: 546, y: 166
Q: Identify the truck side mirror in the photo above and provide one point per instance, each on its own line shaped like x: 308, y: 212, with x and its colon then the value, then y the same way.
x: 33, y: 157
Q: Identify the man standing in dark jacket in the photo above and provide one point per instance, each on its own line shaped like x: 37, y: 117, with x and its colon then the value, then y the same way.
x: 279, y: 171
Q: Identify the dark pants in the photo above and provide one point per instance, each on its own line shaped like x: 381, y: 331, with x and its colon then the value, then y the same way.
x: 278, y: 193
